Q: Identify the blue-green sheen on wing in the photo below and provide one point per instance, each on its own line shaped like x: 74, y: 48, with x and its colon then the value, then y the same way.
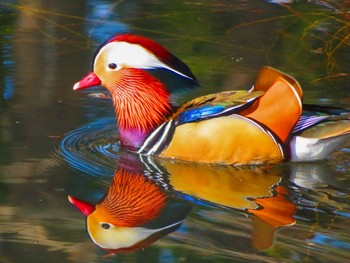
x: 199, y: 113
x: 214, y: 105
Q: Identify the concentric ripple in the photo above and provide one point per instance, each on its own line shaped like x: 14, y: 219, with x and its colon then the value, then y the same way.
x: 92, y: 148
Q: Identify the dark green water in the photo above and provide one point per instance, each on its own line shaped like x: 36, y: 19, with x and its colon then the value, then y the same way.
x: 46, y: 46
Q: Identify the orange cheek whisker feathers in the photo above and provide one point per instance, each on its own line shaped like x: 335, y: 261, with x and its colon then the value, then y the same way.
x: 139, y: 107
x: 132, y: 200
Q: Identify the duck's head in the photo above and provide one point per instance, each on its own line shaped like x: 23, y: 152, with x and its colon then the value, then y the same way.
x: 126, y: 55
x: 141, y: 76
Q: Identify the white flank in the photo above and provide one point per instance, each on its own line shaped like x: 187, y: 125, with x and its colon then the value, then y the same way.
x: 313, y: 149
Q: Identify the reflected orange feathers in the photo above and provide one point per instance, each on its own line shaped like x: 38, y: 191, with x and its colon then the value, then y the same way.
x: 131, y: 200
x: 276, y: 210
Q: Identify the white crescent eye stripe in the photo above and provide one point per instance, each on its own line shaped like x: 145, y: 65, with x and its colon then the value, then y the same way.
x: 126, y: 55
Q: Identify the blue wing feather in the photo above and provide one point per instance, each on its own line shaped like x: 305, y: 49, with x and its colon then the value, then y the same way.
x: 214, y: 105
x: 199, y: 113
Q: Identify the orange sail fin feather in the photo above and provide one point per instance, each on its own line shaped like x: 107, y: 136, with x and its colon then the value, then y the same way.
x: 267, y: 77
x: 279, y: 108
x: 262, y: 125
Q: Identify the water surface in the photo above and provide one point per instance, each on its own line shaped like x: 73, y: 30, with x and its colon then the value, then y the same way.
x: 55, y: 142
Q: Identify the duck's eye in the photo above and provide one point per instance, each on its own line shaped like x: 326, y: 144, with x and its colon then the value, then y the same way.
x: 112, y: 65
x: 105, y: 226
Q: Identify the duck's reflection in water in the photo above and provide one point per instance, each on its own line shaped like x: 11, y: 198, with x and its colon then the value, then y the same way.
x: 149, y: 199
x: 135, y: 212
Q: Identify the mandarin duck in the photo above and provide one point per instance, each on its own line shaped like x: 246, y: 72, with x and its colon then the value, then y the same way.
x: 262, y: 125
x: 133, y: 214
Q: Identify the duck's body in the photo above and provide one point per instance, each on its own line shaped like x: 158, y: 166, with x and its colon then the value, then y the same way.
x: 237, y: 127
